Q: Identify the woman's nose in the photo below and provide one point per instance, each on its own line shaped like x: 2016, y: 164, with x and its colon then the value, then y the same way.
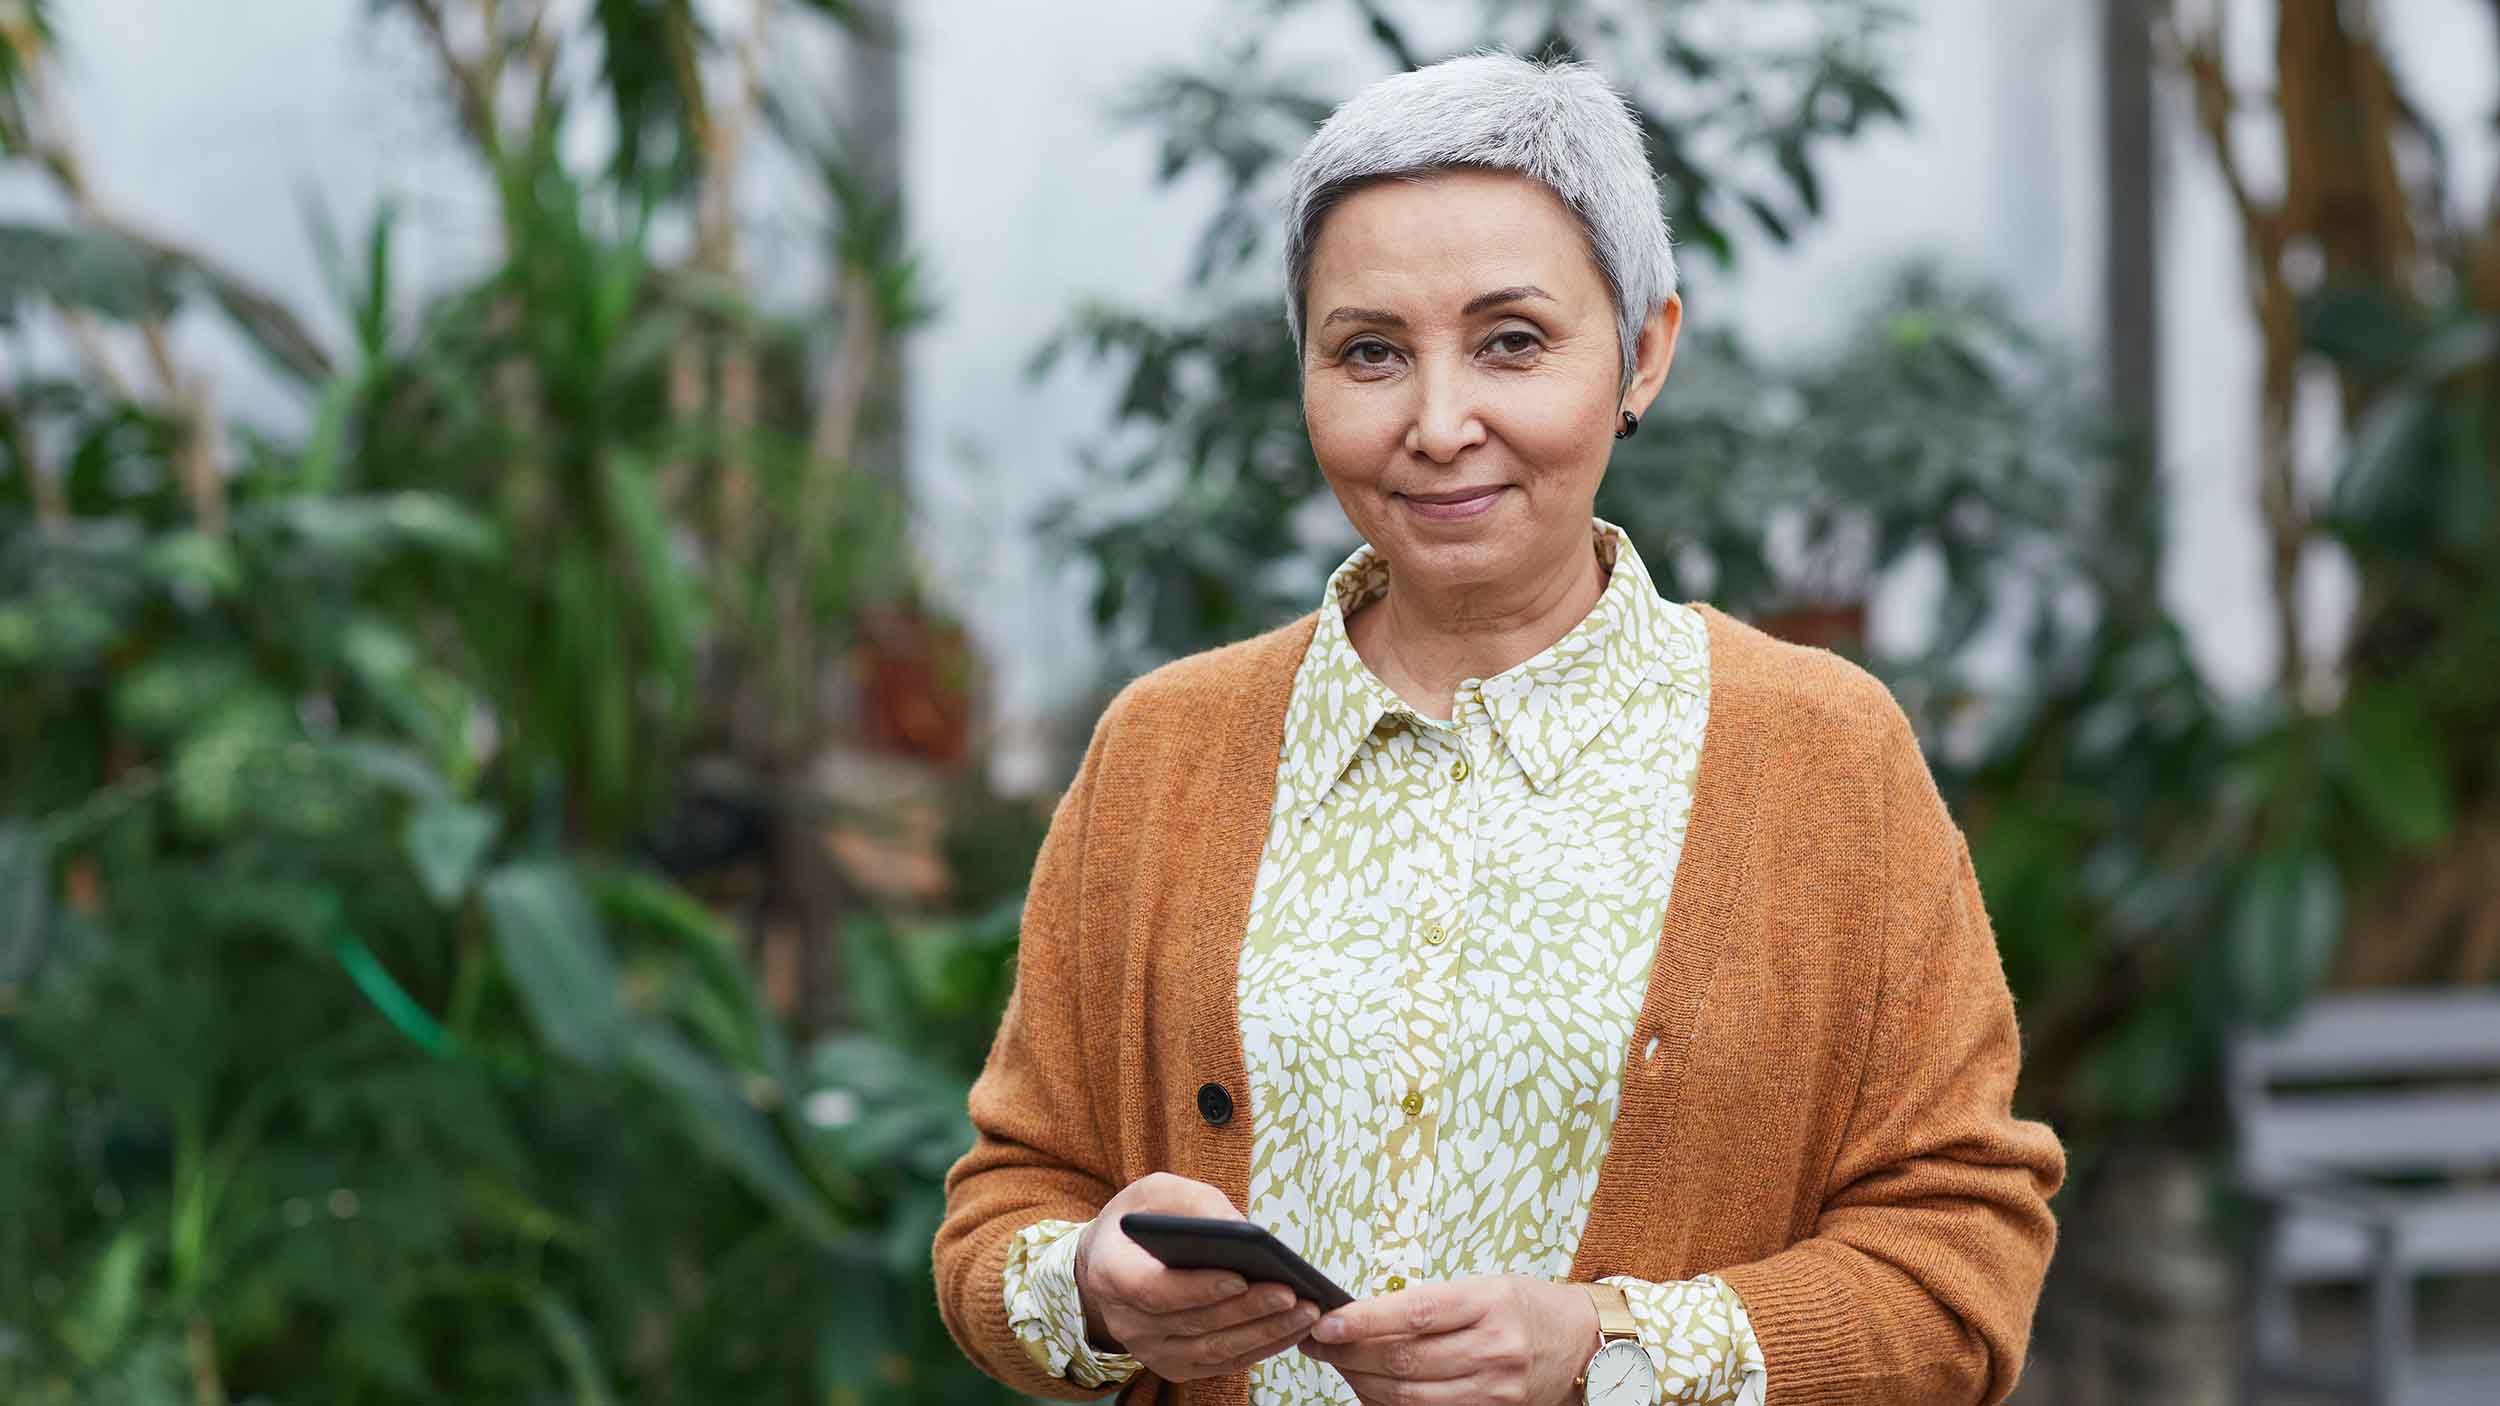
x: 1446, y: 414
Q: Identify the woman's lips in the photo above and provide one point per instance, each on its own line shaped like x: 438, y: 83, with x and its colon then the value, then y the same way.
x: 1452, y: 512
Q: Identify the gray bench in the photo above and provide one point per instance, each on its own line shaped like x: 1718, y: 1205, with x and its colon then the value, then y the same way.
x: 2320, y: 1164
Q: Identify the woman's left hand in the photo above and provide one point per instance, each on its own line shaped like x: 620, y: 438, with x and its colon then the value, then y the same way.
x: 1509, y: 1341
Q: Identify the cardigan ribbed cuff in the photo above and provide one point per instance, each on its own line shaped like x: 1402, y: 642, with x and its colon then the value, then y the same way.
x: 1827, y: 1335
x: 1808, y: 1323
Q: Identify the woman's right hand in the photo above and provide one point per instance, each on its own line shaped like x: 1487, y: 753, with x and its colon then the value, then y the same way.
x: 1180, y: 1324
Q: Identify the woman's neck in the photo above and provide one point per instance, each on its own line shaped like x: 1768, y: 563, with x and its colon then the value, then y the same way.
x: 1423, y: 643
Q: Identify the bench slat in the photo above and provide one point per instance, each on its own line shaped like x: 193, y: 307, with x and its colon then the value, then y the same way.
x: 2368, y: 1036
x: 2452, y: 1377
x: 2442, y: 1130
x: 2446, y: 1232
x: 2439, y: 1376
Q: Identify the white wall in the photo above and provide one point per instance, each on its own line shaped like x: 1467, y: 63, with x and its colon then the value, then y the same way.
x: 1025, y: 200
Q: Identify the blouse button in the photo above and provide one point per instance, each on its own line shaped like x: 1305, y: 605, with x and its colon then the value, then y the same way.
x: 1394, y: 1283
x: 1433, y: 933
x: 1412, y: 1103
x: 1458, y: 769
x: 1215, y: 1105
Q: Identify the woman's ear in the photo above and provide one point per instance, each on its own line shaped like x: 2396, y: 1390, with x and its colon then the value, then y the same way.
x: 1654, y: 353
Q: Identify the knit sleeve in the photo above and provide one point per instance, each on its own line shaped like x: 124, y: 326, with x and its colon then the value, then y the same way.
x: 1699, y: 1338
x: 1918, y: 1282
x: 1041, y: 1149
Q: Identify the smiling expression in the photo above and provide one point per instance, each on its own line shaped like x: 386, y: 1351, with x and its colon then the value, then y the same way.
x: 1460, y: 379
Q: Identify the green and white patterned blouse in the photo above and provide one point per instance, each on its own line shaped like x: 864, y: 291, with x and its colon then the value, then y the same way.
x: 1451, y: 932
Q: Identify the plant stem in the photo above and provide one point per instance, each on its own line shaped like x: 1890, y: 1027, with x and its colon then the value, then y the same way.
x: 200, y: 1346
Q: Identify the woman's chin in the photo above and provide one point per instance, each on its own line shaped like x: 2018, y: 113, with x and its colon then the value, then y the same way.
x: 1446, y: 561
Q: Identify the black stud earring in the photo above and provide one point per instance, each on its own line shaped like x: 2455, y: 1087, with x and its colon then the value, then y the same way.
x: 1631, y: 422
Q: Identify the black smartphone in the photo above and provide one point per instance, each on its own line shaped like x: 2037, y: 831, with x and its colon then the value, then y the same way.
x: 1203, y: 1242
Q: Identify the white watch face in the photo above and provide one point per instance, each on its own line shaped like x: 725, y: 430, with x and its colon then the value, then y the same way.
x: 1621, y: 1375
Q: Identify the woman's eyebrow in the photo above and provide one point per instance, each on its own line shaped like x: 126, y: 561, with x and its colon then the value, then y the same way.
x: 1514, y: 294
x: 1386, y: 319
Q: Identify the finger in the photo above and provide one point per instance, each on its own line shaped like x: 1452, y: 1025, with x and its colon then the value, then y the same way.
x: 1426, y: 1308
x: 1260, y: 1301
x: 1173, y: 1195
x: 1163, y: 1290
x: 1457, y: 1391
x: 1255, y: 1341
x: 1430, y: 1358
x: 1283, y: 1343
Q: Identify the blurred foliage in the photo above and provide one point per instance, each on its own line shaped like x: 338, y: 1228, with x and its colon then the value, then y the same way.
x: 2344, y: 826
x: 351, y: 1048
x: 2160, y: 863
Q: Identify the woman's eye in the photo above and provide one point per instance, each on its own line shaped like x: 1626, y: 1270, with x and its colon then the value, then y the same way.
x: 1514, y: 342
x: 1360, y: 354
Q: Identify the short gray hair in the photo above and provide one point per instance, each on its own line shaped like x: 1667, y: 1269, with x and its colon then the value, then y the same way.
x: 1556, y: 122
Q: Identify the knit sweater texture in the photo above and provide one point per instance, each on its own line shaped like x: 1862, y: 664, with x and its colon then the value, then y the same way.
x: 1817, y: 1095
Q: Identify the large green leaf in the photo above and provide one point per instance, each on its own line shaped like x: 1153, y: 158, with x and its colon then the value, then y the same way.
x: 2287, y: 915
x: 2395, y: 769
x: 2145, y: 1067
x: 360, y: 529
x: 853, y: 16
x: 871, y: 1105
x: 220, y: 765
x: 391, y: 767
x: 196, y: 567
x: 2467, y: 345
x: 180, y: 691
x: 739, y: 1023
x: 266, y: 323
x: 89, y: 270
x: 549, y: 943
x: 672, y: 585
x: 129, y: 276
x: 106, y: 1311
x: 446, y: 843
x: 2377, y: 487
x: 573, y: 1344
x: 728, y: 1126
x: 58, y: 626
x: 640, y: 75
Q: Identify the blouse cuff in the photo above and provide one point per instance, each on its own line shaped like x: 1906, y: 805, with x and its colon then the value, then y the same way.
x: 1045, y: 1312
x: 1699, y: 1339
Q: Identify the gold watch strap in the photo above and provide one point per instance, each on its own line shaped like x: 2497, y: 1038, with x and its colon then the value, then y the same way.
x: 1614, y: 1312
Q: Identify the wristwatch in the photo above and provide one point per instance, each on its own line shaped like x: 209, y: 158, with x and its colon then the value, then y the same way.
x: 1619, y: 1372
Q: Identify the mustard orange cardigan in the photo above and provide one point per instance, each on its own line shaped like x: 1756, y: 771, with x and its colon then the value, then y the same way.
x: 1816, y: 1094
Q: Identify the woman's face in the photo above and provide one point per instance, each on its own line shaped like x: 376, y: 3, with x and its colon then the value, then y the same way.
x: 1462, y: 346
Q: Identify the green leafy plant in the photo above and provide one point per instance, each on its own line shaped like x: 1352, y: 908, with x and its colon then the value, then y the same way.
x: 350, y: 1046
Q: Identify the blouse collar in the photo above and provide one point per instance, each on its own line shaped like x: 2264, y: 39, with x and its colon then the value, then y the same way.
x: 1544, y: 709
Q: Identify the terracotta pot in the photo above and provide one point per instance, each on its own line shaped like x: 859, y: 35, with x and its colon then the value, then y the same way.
x: 915, y: 673
x: 1838, y: 625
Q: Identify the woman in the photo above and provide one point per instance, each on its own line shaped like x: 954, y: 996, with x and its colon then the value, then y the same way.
x: 1553, y: 965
